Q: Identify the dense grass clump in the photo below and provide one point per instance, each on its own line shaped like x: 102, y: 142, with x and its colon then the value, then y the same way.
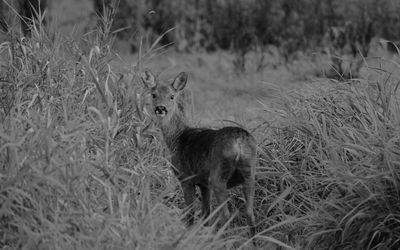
x: 336, y: 166
x: 77, y: 168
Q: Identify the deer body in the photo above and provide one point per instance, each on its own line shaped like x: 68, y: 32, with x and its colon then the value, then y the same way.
x: 213, y: 160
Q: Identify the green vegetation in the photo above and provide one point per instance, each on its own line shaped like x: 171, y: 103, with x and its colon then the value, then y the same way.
x: 336, y: 167
x: 245, y: 25
x: 249, y: 26
x: 81, y: 166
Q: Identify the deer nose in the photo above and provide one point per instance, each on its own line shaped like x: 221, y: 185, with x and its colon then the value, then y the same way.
x: 160, y: 110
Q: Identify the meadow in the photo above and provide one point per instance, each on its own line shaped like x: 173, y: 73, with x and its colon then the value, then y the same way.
x: 83, y: 167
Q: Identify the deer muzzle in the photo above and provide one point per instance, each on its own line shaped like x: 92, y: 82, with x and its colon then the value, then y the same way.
x: 160, y: 111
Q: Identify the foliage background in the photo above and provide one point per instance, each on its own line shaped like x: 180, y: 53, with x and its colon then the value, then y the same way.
x: 230, y: 24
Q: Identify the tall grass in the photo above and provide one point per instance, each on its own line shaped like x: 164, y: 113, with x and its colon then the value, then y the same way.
x: 335, y: 158
x: 83, y: 168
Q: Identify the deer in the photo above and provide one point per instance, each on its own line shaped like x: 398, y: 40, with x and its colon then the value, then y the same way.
x: 215, y: 160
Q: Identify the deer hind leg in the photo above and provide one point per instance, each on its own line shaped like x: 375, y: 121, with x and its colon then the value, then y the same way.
x: 218, y: 180
x: 222, y: 195
x: 248, y: 192
x: 189, y: 191
x: 205, y: 196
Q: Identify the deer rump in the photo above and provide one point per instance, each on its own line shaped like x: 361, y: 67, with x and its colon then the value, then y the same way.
x: 204, y: 152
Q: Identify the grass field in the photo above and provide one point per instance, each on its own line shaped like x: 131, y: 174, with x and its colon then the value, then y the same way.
x: 81, y: 166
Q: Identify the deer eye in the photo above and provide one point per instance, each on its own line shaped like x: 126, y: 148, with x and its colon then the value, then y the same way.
x: 154, y: 96
x: 172, y: 97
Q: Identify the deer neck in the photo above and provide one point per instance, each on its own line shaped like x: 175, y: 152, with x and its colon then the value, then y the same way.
x: 172, y: 129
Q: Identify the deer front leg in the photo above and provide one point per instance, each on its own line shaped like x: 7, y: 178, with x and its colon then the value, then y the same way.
x: 189, y: 194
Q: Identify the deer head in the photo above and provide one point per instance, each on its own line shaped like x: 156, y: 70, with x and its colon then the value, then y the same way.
x: 165, y: 97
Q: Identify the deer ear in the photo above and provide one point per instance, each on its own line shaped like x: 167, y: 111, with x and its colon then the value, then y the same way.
x: 179, y: 82
x: 148, y: 79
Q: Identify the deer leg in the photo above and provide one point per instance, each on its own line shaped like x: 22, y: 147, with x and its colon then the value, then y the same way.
x: 247, y: 169
x: 205, y: 195
x: 248, y: 192
x: 218, y: 181
x: 221, y: 195
x: 189, y: 195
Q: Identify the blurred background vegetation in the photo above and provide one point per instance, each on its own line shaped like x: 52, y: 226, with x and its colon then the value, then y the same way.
x: 244, y: 24
x: 249, y: 25
x: 240, y: 25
